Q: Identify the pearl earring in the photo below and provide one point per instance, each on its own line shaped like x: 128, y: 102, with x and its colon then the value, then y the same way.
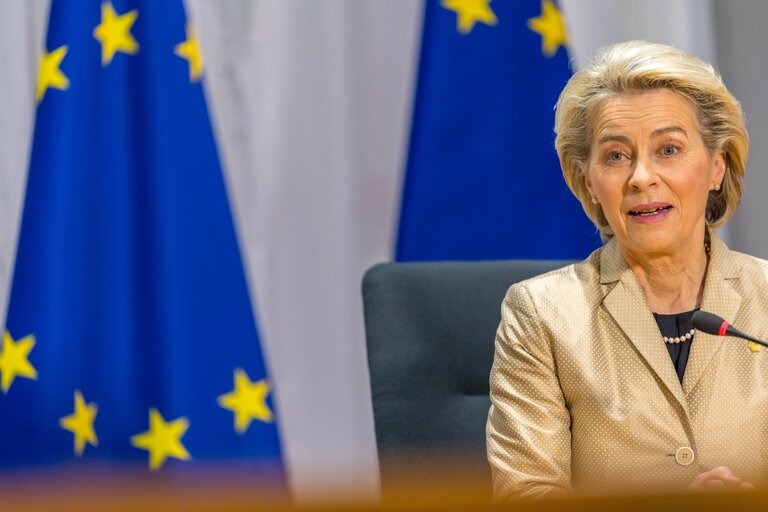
x: 594, y: 201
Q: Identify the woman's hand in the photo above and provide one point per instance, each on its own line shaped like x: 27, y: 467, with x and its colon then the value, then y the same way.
x: 719, y: 478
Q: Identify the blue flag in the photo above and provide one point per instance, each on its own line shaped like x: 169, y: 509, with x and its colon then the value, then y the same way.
x: 130, y: 332
x: 483, y: 179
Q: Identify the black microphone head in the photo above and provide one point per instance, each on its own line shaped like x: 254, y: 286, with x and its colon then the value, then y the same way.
x: 707, y: 322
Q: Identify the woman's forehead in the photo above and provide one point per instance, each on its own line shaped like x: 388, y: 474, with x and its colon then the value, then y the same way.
x: 649, y: 112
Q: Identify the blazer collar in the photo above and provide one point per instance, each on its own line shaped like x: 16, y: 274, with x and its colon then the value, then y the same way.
x: 626, y: 304
x: 721, y: 298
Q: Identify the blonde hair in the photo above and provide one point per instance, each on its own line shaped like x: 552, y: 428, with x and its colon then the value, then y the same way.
x: 639, y: 66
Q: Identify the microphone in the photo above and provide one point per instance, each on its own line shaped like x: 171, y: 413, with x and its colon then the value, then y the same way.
x: 713, y: 324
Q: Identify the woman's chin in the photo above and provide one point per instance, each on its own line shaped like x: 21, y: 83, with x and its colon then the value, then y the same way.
x: 657, y: 242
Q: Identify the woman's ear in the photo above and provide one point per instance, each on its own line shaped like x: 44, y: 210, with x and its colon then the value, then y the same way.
x: 588, y: 184
x: 718, y: 174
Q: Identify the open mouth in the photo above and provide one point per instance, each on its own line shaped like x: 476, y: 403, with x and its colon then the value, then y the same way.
x: 649, y: 212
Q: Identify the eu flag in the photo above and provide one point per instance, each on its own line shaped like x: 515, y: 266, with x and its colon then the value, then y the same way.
x: 130, y: 332
x: 483, y: 179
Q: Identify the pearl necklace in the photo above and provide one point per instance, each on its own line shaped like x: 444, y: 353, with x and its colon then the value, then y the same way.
x: 685, y: 337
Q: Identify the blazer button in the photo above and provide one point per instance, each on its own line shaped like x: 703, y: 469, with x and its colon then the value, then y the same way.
x: 684, y: 456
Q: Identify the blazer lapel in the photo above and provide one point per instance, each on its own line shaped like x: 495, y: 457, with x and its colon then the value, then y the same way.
x: 626, y: 304
x: 721, y: 298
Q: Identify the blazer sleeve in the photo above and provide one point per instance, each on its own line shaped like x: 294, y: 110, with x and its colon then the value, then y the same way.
x: 528, y: 429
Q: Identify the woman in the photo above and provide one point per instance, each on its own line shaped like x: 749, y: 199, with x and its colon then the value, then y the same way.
x: 600, y: 383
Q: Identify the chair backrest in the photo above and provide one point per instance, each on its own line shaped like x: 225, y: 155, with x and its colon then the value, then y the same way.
x: 430, y: 335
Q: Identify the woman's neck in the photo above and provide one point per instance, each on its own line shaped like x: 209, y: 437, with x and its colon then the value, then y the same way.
x: 671, y: 283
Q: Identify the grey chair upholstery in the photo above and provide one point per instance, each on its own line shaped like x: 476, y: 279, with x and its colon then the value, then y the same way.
x: 430, y: 333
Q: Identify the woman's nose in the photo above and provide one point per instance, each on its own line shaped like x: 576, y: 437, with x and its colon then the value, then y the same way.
x: 643, y: 175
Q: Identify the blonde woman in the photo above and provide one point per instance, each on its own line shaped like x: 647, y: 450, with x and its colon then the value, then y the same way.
x: 600, y: 383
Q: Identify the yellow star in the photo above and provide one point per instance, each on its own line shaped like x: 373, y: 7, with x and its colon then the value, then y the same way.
x: 14, y: 360
x: 162, y: 440
x: 190, y: 51
x: 469, y: 12
x: 114, y: 33
x: 80, y: 423
x: 754, y: 347
x: 551, y: 26
x: 248, y: 401
x: 50, y: 74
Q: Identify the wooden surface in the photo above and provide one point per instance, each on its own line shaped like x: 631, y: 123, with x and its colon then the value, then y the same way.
x: 226, y: 488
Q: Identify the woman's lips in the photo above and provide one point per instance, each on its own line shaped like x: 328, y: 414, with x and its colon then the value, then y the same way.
x: 650, y: 212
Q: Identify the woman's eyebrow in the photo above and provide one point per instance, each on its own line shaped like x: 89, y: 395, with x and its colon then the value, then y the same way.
x: 611, y: 137
x: 669, y: 129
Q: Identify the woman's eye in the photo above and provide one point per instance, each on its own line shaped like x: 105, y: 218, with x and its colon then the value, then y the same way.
x: 669, y: 150
x: 615, y: 156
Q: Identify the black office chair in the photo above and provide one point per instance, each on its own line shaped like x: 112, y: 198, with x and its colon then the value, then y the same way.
x: 430, y: 331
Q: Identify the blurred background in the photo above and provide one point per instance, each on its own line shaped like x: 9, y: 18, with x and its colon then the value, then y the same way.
x: 312, y: 106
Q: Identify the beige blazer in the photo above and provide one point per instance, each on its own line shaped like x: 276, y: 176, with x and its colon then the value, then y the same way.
x: 585, y: 397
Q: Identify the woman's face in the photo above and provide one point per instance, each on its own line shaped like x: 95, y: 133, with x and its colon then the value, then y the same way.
x: 651, y: 173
